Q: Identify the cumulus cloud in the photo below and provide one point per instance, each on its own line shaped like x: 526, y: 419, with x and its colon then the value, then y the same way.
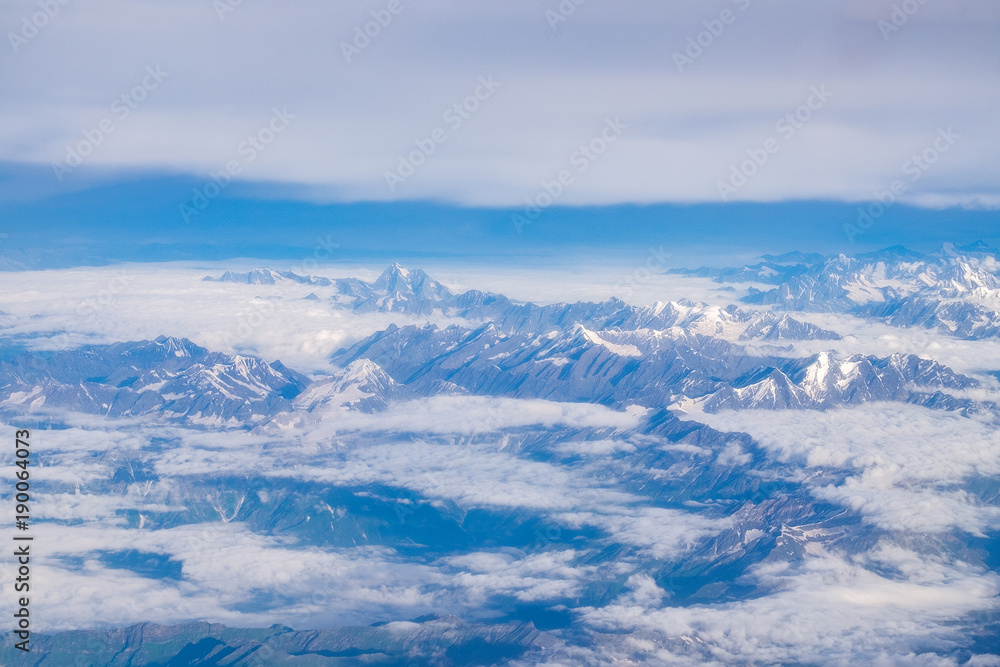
x: 831, y: 609
x: 224, y: 567
x: 544, y: 576
x: 900, y: 461
x: 659, y: 533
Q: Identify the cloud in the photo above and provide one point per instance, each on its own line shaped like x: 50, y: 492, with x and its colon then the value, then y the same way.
x: 920, y: 511
x: 471, y: 475
x: 142, y: 302
x: 73, y: 307
x: 866, y: 336
x: 900, y: 462
x: 687, y: 126
x: 89, y: 507
x: 225, y: 567
x: 535, y: 577
x: 471, y: 415
x: 659, y: 533
x: 830, y: 610
x: 897, y: 443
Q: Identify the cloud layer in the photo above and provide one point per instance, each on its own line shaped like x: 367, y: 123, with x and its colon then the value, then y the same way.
x: 698, y: 89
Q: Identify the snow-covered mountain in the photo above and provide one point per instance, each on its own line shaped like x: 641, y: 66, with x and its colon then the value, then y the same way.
x: 642, y: 367
x: 169, y: 378
x: 955, y: 290
x: 267, y: 277
x: 413, y: 292
x: 824, y: 381
x: 574, y: 483
x: 609, y: 353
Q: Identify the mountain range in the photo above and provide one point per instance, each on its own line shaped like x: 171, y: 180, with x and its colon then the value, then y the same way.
x: 490, y: 481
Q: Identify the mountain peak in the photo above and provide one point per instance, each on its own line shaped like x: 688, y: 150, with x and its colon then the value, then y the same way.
x: 398, y: 275
x: 398, y: 279
x: 180, y: 347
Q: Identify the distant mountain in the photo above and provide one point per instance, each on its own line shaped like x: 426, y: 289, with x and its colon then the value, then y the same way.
x: 955, y: 289
x: 412, y: 292
x: 770, y: 327
x: 794, y: 257
x: 400, y: 290
x: 170, y: 377
x: 267, y: 277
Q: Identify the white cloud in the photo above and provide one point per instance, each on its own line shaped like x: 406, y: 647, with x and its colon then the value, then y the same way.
x: 543, y: 576
x: 660, y: 533
x: 469, y: 415
x: 831, y: 611
x: 686, y: 128
x: 901, y: 460
x: 224, y: 567
x: 865, y: 336
x: 144, y: 301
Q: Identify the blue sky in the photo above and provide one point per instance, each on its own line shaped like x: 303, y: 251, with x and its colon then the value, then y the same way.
x: 230, y: 128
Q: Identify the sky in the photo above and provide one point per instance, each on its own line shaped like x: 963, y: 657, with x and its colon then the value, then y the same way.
x: 228, y: 128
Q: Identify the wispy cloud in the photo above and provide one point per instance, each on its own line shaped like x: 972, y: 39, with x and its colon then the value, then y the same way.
x: 686, y: 127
